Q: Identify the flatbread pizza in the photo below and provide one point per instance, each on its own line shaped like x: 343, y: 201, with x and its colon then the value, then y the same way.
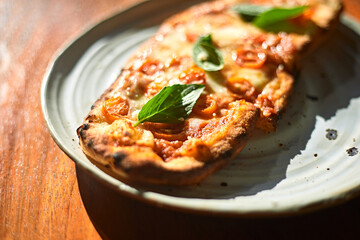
x: 188, y: 100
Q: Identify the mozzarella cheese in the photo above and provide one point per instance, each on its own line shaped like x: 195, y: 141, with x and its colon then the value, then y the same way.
x: 227, y: 32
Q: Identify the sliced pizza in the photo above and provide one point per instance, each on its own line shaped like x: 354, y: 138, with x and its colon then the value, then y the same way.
x: 187, y: 101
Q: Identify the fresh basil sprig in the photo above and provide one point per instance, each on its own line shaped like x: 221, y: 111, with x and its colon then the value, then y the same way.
x: 206, y: 56
x: 277, y: 15
x: 173, y: 104
x: 250, y: 11
x: 263, y: 16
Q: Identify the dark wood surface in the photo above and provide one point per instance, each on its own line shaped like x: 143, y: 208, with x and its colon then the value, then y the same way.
x: 39, y: 192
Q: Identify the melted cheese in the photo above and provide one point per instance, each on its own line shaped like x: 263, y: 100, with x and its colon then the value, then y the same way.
x: 173, y: 45
x: 255, y: 76
x: 227, y: 32
x: 136, y: 105
x: 216, y: 83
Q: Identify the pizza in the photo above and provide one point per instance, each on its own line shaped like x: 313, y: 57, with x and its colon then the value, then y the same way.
x: 187, y: 101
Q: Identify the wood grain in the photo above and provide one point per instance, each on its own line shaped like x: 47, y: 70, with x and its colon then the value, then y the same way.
x: 39, y: 195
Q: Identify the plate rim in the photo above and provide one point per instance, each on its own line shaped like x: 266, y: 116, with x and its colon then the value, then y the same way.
x: 113, y: 183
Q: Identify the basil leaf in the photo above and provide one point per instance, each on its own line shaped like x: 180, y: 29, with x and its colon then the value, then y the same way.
x: 250, y: 11
x: 277, y: 15
x: 206, y: 56
x: 173, y: 104
x: 263, y: 16
x: 288, y: 27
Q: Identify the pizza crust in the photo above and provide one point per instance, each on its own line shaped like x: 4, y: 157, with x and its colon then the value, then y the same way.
x: 141, y: 164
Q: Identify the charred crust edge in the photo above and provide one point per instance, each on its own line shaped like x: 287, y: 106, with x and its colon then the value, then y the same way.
x: 80, y: 130
x: 227, y: 153
x: 118, y: 158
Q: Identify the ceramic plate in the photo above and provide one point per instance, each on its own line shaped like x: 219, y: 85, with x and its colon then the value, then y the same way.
x: 310, y: 162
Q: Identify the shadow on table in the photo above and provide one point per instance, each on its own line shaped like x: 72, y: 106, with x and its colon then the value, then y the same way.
x: 116, y: 216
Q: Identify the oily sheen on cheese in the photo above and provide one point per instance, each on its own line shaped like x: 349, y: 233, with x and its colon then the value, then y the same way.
x: 226, y: 31
x: 251, y: 90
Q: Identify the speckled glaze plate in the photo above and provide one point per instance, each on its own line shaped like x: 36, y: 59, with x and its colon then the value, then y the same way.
x: 311, y: 161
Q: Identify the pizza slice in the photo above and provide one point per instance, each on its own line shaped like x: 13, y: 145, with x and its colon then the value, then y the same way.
x: 187, y: 101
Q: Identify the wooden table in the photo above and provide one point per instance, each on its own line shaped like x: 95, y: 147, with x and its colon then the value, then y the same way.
x: 39, y: 194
